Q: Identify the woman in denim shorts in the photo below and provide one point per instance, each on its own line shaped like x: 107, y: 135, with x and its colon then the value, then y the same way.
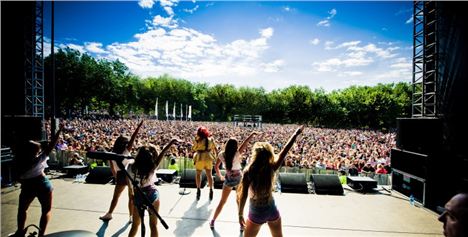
x: 34, y: 182
x: 231, y: 159
x: 144, y: 170
x: 257, y: 183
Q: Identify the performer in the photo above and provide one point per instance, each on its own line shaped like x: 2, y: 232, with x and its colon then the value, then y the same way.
x: 231, y: 159
x: 122, y: 145
x: 34, y: 182
x: 144, y: 169
x: 205, y: 150
x: 257, y: 182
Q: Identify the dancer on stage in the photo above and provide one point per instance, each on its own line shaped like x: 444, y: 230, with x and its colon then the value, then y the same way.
x: 34, y: 182
x: 205, y: 150
x: 257, y: 183
x: 144, y: 169
x: 231, y: 159
x: 122, y: 145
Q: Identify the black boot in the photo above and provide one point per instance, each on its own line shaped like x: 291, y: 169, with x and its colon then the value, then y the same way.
x: 198, y: 194
x: 211, y: 194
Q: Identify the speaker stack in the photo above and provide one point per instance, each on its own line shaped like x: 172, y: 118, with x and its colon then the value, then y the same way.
x: 416, y: 162
x: 326, y: 184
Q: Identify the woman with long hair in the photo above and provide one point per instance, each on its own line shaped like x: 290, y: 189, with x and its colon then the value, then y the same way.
x: 34, y: 182
x: 231, y: 159
x: 257, y: 183
x: 205, y: 150
x: 123, y: 146
x: 146, y: 162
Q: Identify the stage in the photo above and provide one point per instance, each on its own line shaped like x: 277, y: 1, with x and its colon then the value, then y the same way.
x: 77, y: 206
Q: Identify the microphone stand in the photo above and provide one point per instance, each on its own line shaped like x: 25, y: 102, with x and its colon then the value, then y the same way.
x: 184, y: 191
x: 146, y: 201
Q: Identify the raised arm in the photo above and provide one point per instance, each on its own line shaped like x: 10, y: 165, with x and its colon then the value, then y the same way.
x: 246, y: 142
x: 53, y: 142
x: 164, y: 150
x: 284, y: 152
x: 132, y: 139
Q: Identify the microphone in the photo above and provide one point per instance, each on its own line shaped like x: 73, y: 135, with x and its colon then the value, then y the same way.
x: 103, y: 155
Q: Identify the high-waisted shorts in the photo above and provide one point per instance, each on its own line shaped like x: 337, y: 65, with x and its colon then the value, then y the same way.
x: 39, y: 186
x: 150, y: 192
x: 263, y: 214
x: 232, y: 178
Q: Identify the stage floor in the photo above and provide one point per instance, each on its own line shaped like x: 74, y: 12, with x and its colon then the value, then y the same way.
x: 77, y: 206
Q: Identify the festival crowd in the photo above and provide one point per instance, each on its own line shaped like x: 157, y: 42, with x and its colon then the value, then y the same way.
x: 350, y: 150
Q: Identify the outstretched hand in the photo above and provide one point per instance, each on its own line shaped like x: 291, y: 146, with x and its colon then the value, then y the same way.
x: 299, y: 130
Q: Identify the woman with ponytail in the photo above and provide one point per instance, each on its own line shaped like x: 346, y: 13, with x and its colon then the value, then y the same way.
x: 231, y: 159
x: 257, y: 183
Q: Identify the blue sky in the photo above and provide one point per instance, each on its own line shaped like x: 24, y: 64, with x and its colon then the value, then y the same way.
x: 329, y: 45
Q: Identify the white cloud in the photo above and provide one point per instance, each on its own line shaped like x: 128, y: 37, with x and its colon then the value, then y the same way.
x: 332, y: 13
x: 350, y: 74
x: 267, y: 32
x: 164, y: 21
x: 315, y: 41
x: 94, y: 47
x: 187, y: 53
x: 326, y: 22
x: 146, y: 3
x: 191, y: 11
x: 287, y: 9
x: 79, y: 48
x: 274, y: 66
x: 355, y: 55
x: 410, y: 20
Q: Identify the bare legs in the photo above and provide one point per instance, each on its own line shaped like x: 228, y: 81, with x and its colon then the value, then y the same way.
x: 115, y: 199
x: 137, y: 221
x: 252, y: 229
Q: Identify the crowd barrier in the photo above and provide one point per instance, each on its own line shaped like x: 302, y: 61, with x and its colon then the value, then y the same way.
x: 60, y: 159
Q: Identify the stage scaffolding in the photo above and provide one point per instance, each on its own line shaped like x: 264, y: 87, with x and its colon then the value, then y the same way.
x: 248, y: 120
x: 34, y: 64
x: 425, y: 59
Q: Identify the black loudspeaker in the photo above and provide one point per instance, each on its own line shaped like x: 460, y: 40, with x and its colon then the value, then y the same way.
x: 218, y: 184
x: 99, y: 175
x: 410, y: 162
x: 293, y: 183
x: 420, y: 135
x: 327, y: 184
x: 361, y: 184
x: 166, y: 174
x: 187, y: 179
x: 16, y: 130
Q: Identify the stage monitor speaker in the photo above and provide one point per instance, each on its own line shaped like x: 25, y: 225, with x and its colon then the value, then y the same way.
x: 187, y: 179
x: 361, y: 184
x: 420, y: 135
x: 99, y: 175
x: 293, y: 183
x: 166, y: 174
x: 327, y: 184
x: 218, y: 184
x: 410, y: 162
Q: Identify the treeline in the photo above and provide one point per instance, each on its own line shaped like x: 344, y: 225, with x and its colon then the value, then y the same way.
x: 82, y: 81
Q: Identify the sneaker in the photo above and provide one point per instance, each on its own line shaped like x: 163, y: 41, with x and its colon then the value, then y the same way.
x: 212, y: 224
x: 211, y: 194
x: 106, y: 217
x: 198, y: 194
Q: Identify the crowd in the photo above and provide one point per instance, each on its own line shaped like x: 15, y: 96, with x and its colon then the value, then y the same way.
x: 352, y: 150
